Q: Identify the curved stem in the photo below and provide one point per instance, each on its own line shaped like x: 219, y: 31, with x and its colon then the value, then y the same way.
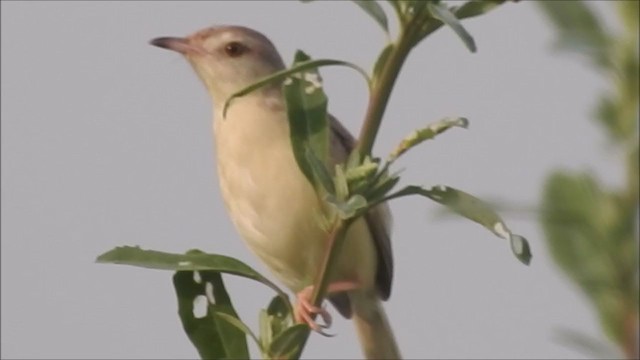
x: 334, y: 244
x: 381, y: 91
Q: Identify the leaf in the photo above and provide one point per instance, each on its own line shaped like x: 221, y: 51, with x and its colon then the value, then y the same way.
x: 238, y: 324
x: 476, y: 8
x: 592, y: 236
x: 588, y: 345
x: 348, y: 209
x: 279, y: 318
x: 442, y: 13
x: 283, y: 74
x: 319, y: 175
x: 578, y: 28
x: 473, y: 209
x: 192, y: 260
x: 308, y: 123
x: 288, y: 342
x: 374, y: 10
x: 427, y: 133
x: 384, y: 184
x: 212, y: 338
x: 381, y: 62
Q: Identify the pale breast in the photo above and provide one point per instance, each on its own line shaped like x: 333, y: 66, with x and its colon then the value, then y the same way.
x: 269, y: 200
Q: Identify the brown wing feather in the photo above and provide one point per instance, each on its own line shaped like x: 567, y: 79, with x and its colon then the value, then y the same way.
x: 378, y: 218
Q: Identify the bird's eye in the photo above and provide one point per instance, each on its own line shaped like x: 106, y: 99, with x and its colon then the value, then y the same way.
x: 234, y: 49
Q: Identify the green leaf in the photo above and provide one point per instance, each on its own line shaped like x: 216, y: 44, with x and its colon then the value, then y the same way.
x: 476, y: 8
x: 319, y: 174
x: 308, y: 123
x: 192, y: 260
x: 340, y: 182
x: 348, y: 209
x: 628, y: 11
x: 381, y: 62
x: 238, y: 324
x: 592, y: 236
x: 288, y: 342
x: 286, y: 73
x: 214, y: 339
x: 427, y: 133
x: 473, y: 209
x: 578, y: 29
x: 442, y: 13
x: 384, y: 184
x: 374, y: 10
x: 278, y: 318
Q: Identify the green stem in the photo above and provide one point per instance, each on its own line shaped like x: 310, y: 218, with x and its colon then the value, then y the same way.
x: 381, y: 91
x: 334, y: 245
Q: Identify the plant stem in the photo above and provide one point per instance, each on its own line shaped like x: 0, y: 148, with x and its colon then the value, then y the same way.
x: 334, y: 244
x: 381, y: 91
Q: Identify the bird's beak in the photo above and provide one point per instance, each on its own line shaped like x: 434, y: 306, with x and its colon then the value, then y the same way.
x: 181, y: 45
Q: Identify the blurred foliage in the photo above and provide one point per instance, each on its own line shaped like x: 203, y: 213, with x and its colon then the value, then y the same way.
x: 592, y: 232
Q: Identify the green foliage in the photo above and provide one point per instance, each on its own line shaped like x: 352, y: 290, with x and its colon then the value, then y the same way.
x: 192, y: 260
x: 591, y: 237
x: 592, y: 232
x: 444, y: 14
x: 212, y: 337
x: 308, y: 123
x: 578, y: 29
x: 427, y: 133
x: 372, y: 8
x: 474, y: 209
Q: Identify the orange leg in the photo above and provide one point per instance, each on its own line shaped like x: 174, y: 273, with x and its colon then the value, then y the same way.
x: 304, y: 309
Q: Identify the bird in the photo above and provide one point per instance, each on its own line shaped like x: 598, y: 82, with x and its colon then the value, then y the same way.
x: 269, y: 200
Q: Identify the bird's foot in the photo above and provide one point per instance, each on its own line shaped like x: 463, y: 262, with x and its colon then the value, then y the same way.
x: 304, y: 310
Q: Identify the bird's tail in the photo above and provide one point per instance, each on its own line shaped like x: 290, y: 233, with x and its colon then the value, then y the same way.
x: 372, y: 326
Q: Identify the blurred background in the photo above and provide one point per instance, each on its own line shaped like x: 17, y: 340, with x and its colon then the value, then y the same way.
x: 106, y: 141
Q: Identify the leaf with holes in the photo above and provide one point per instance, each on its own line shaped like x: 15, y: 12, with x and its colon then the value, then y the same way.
x: 308, y: 123
x: 201, y: 294
x: 427, y: 133
x: 473, y: 209
x: 192, y: 260
x: 284, y: 74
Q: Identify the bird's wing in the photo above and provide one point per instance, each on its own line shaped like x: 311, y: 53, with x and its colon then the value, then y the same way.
x: 378, y: 219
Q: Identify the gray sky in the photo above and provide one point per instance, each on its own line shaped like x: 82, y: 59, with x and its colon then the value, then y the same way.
x: 106, y: 141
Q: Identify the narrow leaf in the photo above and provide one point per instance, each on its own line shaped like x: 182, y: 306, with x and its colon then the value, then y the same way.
x: 214, y: 339
x: 238, y: 324
x: 192, y: 260
x: 442, y: 13
x: 476, y: 8
x: 427, y: 133
x: 288, y: 342
x: 578, y: 29
x: 473, y: 209
x: 308, y: 123
x: 381, y: 62
x: 374, y: 10
x: 283, y: 74
x: 348, y: 209
x: 319, y: 174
